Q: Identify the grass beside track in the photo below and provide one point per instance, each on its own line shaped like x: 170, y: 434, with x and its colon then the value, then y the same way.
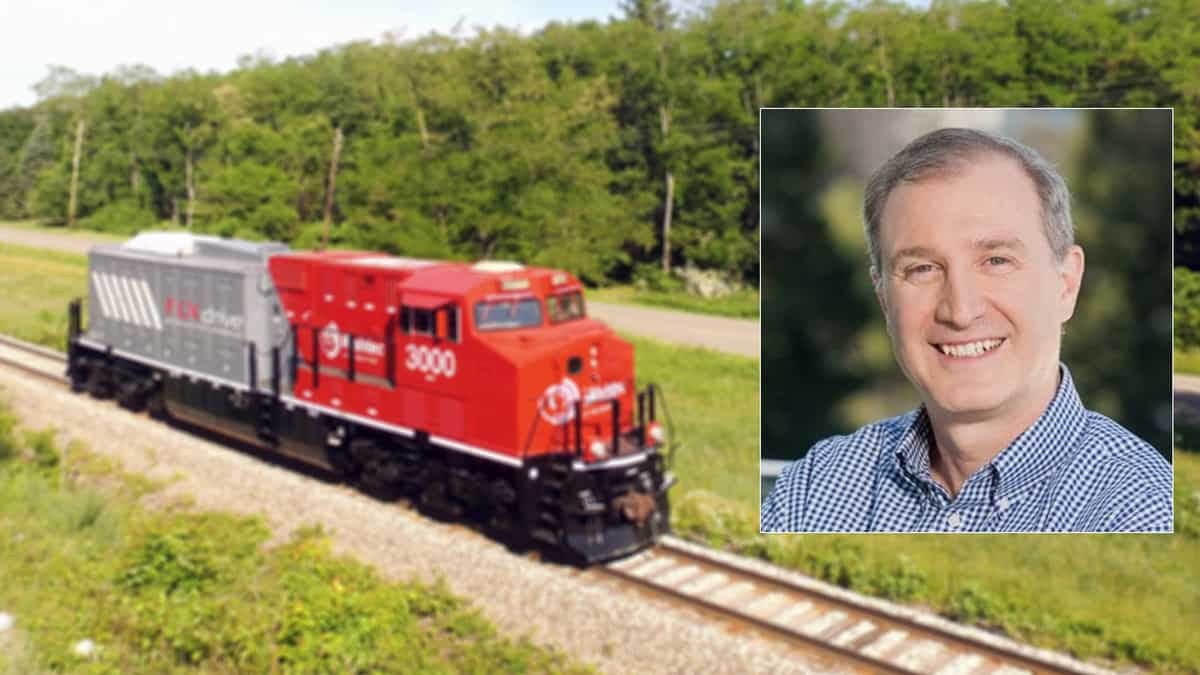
x: 1187, y: 361
x: 35, y: 287
x: 741, y: 304
x: 713, y: 401
x: 67, y: 231
x: 178, y: 591
x: 1128, y: 598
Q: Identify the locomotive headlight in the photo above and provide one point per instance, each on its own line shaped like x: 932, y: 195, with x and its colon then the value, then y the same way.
x: 656, y: 433
x: 599, y: 449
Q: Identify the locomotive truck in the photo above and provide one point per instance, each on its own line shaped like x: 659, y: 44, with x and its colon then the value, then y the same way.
x: 483, y: 390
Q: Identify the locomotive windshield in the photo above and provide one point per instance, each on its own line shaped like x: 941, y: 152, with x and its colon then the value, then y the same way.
x: 565, y: 306
x: 508, y: 314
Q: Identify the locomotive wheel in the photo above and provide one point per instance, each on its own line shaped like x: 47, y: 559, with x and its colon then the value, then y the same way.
x: 157, y: 406
x: 343, y: 461
x: 435, y: 503
x: 133, y: 395
x: 79, y: 378
x: 99, y: 384
x: 373, y: 472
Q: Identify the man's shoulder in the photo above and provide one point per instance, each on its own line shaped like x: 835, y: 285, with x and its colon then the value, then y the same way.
x: 1121, y: 483
x: 832, y: 477
x: 866, y: 443
x: 1107, y: 444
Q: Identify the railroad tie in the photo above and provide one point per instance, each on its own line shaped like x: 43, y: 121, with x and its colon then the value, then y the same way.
x: 731, y: 592
x: 704, y: 584
x: 797, y: 611
x: 767, y: 605
x: 853, y: 633
x: 651, y: 568
x: 920, y: 656
x: 963, y: 664
x: 672, y: 577
x: 885, y: 643
x: 823, y: 622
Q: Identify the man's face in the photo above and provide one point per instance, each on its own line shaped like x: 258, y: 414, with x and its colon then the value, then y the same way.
x: 973, y: 295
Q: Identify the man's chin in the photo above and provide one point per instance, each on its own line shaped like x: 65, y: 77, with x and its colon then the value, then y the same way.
x: 971, y: 404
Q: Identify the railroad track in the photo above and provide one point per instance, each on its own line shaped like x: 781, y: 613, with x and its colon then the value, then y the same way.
x: 862, y: 633
x: 33, y: 359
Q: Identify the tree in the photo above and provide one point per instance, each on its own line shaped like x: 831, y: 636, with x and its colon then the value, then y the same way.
x: 1121, y: 333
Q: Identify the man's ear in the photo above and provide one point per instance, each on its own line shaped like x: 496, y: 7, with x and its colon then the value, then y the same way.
x: 877, y: 283
x: 1071, y: 273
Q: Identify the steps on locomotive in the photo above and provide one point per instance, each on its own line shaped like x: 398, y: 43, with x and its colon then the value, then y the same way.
x: 266, y: 422
x: 553, y: 483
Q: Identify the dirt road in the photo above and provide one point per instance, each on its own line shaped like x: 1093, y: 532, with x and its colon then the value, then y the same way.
x: 734, y: 336
x: 1187, y: 398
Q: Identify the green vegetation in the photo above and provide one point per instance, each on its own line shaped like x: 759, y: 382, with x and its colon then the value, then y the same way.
x: 713, y: 402
x: 1187, y: 309
x: 561, y: 146
x: 1187, y: 361
x: 741, y: 304
x: 37, y: 285
x: 170, y: 591
x: 41, y: 226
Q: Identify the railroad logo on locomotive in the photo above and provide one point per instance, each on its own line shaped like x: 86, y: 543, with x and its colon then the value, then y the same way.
x: 211, y: 317
x: 333, y: 342
x: 557, y: 404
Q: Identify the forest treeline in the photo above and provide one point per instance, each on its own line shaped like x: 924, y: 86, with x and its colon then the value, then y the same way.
x: 610, y: 148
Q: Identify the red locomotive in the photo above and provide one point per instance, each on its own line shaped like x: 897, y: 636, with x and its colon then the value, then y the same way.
x: 481, y: 389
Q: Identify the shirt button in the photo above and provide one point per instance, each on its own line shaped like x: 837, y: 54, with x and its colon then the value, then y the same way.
x: 1003, y: 503
x: 954, y: 521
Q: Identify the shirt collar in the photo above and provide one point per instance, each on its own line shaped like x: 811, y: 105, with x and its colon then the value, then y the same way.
x: 1032, y: 456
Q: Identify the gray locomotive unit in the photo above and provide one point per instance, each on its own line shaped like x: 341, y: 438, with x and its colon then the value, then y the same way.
x: 169, y: 312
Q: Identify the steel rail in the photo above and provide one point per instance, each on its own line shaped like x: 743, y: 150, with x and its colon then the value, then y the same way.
x: 865, y: 633
x: 38, y: 353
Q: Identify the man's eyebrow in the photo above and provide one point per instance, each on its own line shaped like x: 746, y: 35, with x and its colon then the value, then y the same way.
x: 992, y: 244
x: 912, y: 252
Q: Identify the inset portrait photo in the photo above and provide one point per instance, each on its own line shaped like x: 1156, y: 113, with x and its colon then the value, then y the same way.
x: 966, y: 320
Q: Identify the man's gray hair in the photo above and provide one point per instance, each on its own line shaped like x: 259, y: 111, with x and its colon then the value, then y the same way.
x: 941, y: 152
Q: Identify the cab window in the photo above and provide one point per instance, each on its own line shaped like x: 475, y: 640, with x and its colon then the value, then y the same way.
x: 508, y: 314
x: 415, y: 320
x: 420, y: 321
x: 565, y: 306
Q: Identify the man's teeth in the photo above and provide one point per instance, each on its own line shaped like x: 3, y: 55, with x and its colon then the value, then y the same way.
x: 970, y: 348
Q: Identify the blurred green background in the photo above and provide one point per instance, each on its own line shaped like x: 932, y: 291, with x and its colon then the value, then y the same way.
x: 827, y: 362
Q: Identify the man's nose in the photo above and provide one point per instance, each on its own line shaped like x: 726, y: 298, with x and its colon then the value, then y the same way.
x: 962, y: 300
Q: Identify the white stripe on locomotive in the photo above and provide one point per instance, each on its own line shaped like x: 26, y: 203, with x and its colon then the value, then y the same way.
x: 139, y: 313
x: 145, y: 288
x: 115, y: 293
x: 105, y: 309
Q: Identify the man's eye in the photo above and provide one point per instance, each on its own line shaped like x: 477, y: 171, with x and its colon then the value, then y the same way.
x: 919, y: 271
x: 998, y: 261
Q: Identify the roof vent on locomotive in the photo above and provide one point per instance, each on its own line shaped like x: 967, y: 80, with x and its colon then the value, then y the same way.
x: 482, y: 389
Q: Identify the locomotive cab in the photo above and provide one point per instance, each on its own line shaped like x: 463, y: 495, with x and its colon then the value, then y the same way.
x: 593, y: 442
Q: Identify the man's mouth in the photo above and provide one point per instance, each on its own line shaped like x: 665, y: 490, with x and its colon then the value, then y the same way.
x: 966, y: 350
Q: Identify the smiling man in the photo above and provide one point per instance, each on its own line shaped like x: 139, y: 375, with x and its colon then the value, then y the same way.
x: 976, y: 270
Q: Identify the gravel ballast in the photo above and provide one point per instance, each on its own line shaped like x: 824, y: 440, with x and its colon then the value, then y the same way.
x: 596, y: 621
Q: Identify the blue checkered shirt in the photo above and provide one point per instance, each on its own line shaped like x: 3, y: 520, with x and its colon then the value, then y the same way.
x: 1073, y: 470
